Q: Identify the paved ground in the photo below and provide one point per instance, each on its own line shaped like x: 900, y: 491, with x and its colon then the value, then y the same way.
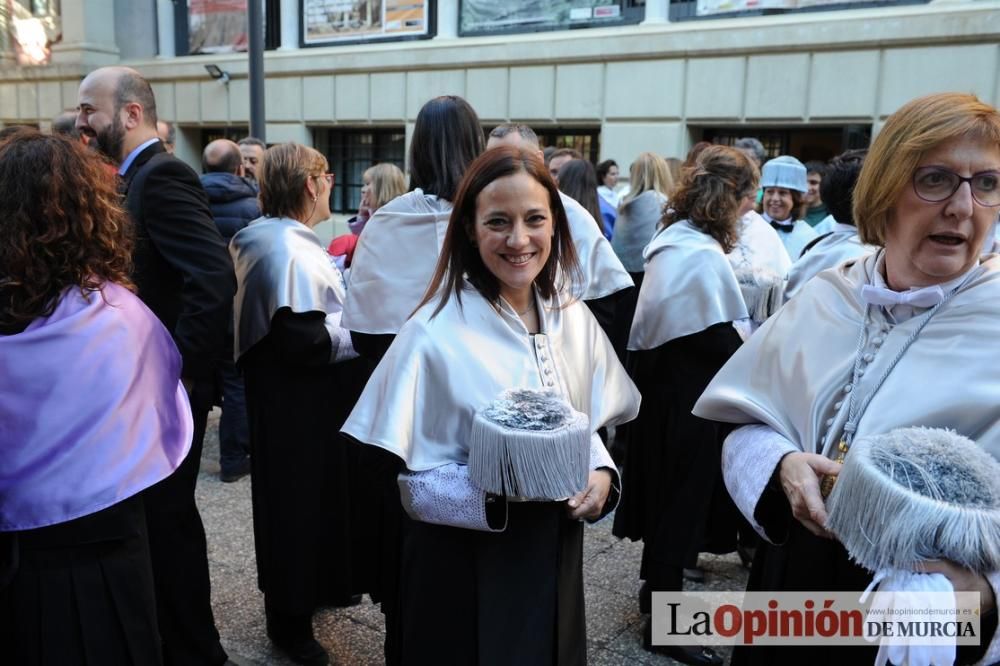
x: 354, y: 635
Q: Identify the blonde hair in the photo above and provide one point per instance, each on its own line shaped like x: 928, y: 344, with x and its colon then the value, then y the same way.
x: 388, y: 182
x: 282, y: 175
x: 916, y: 128
x: 649, y: 171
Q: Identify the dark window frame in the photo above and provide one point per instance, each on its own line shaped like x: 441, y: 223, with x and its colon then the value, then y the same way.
x: 272, y: 29
x: 388, y: 145
x: 556, y: 135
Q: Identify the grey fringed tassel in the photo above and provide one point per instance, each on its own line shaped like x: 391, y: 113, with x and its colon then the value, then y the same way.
x: 916, y: 494
x: 532, y: 463
x: 763, y: 292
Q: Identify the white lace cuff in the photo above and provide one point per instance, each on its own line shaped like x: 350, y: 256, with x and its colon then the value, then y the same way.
x: 749, y: 457
x: 341, y: 347
x: 992, y: 655
x: 445, y: 496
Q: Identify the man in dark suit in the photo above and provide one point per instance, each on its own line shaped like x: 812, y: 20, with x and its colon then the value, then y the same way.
x: 185, y: 276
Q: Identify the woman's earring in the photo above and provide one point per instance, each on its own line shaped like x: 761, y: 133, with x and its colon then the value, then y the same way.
x: 314, y: 197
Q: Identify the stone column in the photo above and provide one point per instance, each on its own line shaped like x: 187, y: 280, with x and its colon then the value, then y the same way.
x: 447, y: 19
x: 88, y: 33
x: 165, y: 29
x: 291, y: 21
x: 657, y: 11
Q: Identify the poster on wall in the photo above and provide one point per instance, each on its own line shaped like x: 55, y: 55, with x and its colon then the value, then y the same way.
x: 708, y: 7
x: 489, y: 16
x: 331, y: 21
x: 217, y: 26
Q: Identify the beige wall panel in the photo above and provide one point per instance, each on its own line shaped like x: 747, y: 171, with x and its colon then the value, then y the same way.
x: 214, y: 101
x: 623, y: 142
x: 283, y: 98
x: 351, y: 97
x: 186, y: 99
x: 27, y: 101
x: 909, y: 73
x: 50, y: 99
x: 239, y: 101
x: 70, y: 90
x: 486, y: 91
x: 163, y: 92
x: 532, y: 93
x: 644, y: 89
x: 8, y: 101
x: 580, y: 91
x: 714, y: 87
x: 388, y: 96
x: 317, y: 98
x: 843, y: 84
x: 282, y: 132
x: 423, y: 86
x: 777, y: 85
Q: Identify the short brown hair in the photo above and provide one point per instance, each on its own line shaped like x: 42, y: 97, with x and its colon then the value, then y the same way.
x: 917, y: 127
x: 710, y: 192
x: 282, y: 175
x: 62, y: 225
x: 460, y: 257
x: 388, y: 182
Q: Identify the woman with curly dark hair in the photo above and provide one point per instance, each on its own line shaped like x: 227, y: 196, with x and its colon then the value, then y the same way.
x: 93, y: 414
x: 684, y: 330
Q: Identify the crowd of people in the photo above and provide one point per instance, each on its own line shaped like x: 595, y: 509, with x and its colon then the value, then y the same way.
x: 736, y: 322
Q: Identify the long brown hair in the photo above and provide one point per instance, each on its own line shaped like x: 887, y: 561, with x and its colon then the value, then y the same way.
x: 710, y: 193
x: 61, y: 222
x: 460, y: 258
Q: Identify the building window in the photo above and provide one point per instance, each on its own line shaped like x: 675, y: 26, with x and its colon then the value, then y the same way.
x: 29, y: 28
x: 805, y: 143
x: 233, y: 133
x: 488, y: 17
x: 350, y: 152
x: 585, y: 141
x: 327, y: 22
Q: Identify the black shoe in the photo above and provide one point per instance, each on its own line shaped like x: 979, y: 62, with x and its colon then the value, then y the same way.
x: 237, y: 472
x: 686, y: 654
x: 694, y: 574
x: 293, y: 635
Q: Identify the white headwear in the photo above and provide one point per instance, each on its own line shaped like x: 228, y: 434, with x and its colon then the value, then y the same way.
x: 785, y: 171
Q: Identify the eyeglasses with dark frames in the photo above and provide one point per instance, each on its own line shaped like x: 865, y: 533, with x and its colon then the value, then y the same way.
x: 936, y: 184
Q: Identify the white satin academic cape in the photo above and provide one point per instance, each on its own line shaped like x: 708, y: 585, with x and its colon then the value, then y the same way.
x: 279, y: 263
x: 839, y: 246
x: 689, y: 286
x: 759, y: 247
x: 394, y: 262
x: 794, y: 372
x: 439, y: 371
x: 399, y: 248
x: 603, y: 272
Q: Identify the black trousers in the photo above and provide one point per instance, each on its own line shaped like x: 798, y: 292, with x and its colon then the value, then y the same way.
x: 180, y: 556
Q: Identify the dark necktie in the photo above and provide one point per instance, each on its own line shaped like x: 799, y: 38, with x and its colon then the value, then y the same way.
x: 787, y: 228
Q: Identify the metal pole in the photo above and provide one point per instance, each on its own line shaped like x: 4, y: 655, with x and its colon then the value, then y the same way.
x: 255, y: 24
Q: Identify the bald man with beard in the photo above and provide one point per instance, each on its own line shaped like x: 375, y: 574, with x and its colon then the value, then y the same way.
x: 185, y: 276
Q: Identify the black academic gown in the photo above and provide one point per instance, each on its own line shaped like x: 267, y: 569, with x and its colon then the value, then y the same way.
x: 301, y: 480
x: 673, y: 495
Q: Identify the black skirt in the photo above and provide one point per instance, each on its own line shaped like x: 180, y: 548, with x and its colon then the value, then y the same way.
x: 514, y: 597
x: 81, y: 592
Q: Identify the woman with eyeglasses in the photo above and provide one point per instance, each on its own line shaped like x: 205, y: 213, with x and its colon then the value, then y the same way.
x: 907, y: 340
x: 300, y: 385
